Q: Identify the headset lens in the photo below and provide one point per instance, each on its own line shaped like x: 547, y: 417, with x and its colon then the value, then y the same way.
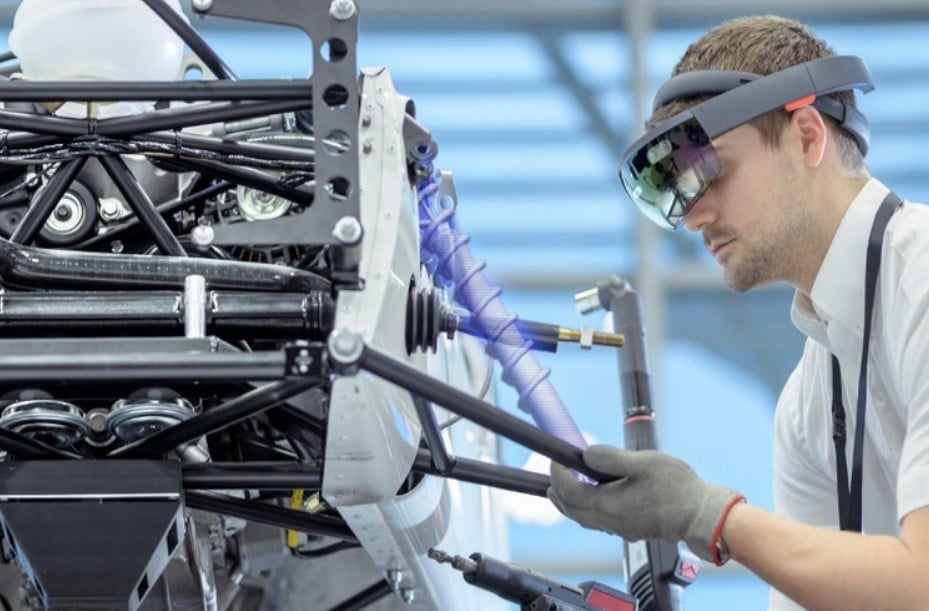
x: 667, y: 174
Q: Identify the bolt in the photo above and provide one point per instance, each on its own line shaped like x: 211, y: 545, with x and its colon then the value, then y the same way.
x: 109, y: 208
x: 343, y: 10
x: 116, y: 246
x: 345, y: 346
x: 408, y: 595
x: 202, y: 5
x: 202, y: 235
x: 394, y: 578
x: 97, y: 418
x: 290, y: 121
x: 347, y: 230
x: 367, y: 147
x: 303, y: 361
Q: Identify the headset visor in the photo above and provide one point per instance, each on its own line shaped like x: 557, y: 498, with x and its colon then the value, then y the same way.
x: 667, y: 173
x: 668, y: 169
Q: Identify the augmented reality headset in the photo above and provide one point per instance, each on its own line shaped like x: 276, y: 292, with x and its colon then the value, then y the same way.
x: 668, y: 169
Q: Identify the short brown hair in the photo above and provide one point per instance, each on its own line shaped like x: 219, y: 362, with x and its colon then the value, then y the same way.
x: 762, y: 44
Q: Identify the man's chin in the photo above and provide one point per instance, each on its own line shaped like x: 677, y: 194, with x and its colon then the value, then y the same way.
x: 740, y: 281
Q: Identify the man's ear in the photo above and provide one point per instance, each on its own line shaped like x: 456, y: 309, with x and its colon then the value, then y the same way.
x: 812, y: 134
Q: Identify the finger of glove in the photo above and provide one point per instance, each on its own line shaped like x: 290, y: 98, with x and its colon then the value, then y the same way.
x: 585, y: 517
x: 566, y: 488
x: 556, y: 500
x: 592, y: 520
x: 610, y: 460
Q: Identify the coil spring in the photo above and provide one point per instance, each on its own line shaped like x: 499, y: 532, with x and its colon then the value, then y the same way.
x: 436, y: 219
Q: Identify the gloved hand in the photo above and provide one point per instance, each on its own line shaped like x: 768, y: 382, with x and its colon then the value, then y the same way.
x: 655, y: 496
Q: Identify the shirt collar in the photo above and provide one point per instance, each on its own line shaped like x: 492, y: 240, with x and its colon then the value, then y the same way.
x: 838, y: 290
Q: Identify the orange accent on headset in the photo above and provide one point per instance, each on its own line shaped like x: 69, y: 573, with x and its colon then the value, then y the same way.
x: 800, y: 102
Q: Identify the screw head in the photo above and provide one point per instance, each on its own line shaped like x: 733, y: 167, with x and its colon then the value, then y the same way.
x: 202, y: 235
x: 347, y: 230
x: 408, y: 595
x: 202, y: 5
x: 343, y: 10
x: 109, y: 208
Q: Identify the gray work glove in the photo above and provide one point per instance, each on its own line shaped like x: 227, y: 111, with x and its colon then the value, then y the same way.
x: 655, y: 496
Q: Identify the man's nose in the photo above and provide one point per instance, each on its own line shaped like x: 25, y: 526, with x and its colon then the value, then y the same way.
x: 701, y: 214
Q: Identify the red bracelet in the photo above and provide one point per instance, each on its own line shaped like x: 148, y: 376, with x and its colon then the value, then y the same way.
x: 718, y: 531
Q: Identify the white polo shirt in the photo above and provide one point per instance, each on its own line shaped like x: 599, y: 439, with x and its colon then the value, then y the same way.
x: 896, y: 443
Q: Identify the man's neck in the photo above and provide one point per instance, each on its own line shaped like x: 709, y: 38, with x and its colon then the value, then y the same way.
x: 831, y: 200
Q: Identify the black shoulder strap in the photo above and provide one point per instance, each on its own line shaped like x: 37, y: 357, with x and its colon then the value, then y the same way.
x: 850, y: 496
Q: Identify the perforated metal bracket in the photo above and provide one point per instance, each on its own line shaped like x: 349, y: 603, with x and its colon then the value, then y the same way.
x: 304, y: 359
x: 333, y: 30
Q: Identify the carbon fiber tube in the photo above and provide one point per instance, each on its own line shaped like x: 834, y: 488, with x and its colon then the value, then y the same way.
x: 487, y: 415
x: 486, y: 474
x: 45, y: 268
x: 219, y: 478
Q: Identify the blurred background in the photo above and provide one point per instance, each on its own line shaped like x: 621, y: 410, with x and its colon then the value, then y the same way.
x: 531, y: 104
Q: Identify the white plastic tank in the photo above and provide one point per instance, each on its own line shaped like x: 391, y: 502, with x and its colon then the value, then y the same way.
x: 95, y: 40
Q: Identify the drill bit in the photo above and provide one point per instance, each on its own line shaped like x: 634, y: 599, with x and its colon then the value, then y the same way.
x: 465, y: 565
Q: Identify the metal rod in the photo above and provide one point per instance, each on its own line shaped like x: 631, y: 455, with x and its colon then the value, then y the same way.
x: 249, y: 177
x: 23, y: 447
x: 442, y: 461
x: 45, y: 201
x: 108, y: 367
x: 142, y: 206
x: 484, y: 414
x: 195, y: 306
x: 192, y: 38
x: 272, y: 515
x: 41, y: 129
x: 235, y: 410
x: 39, y: 124
x: 486, y: 474
x: 189, y: 116
x: 364, y: 598
x: 105, y: 91
x: 219, y: 478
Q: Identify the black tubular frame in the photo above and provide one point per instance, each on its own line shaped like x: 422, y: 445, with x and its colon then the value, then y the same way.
x: 45, y: 201
x: 330, y: 94
x: 142, y: 206
x: 366, y: 597
x: 265, y: 513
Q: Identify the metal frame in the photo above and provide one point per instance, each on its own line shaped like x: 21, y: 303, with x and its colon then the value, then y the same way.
x: 331, y: 93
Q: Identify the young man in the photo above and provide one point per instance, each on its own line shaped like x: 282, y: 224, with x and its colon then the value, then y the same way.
x: 769, y: 168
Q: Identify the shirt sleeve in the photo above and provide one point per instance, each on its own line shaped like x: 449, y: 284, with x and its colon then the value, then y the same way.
x: 802, y: 490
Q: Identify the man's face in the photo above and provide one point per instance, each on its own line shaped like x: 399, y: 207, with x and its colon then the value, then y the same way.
x: 754, y: 216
